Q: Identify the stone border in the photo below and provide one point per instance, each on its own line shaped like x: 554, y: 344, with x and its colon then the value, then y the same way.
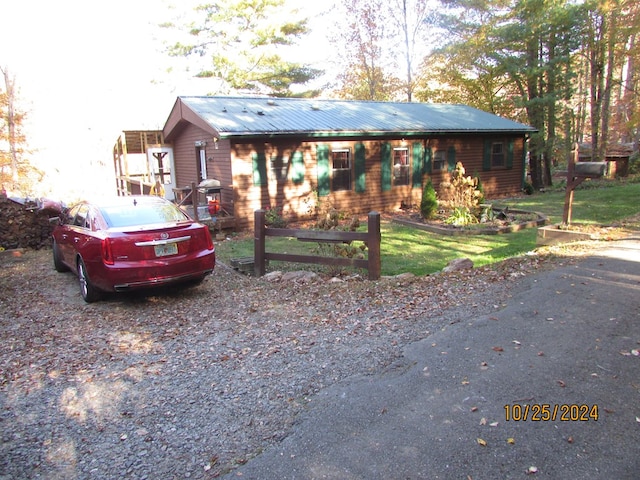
x: 540, y: 221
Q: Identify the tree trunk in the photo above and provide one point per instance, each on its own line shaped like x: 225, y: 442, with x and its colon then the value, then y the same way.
x: 612, y: 32
x: 11, y: 127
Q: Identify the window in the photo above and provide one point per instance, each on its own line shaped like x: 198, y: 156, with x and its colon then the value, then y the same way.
x: 497, y: 154
x: 279, y: 168
x: 340, y: 170
x: 439, y: 160
x: 401, y: 166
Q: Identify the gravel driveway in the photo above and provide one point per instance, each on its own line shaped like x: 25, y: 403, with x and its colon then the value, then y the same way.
x: 189, y: 383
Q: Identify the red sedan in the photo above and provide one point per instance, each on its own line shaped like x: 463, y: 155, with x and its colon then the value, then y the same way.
x: 131, y: 242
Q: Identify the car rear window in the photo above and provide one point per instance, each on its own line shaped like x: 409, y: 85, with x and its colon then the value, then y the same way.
x: 142, y: 214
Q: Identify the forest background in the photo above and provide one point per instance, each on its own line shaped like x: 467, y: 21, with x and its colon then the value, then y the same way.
x: 70, y: 84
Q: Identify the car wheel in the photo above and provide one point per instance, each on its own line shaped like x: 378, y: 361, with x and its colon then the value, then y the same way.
x: 57, y: 260
x: 87, y: 290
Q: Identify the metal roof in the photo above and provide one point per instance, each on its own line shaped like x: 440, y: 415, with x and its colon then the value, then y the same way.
x: 242, y: 116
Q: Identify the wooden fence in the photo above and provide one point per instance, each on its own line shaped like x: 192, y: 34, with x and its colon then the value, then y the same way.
x: 371, y: 237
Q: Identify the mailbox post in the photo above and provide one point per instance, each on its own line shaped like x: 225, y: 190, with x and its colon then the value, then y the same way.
x: 578, y: 172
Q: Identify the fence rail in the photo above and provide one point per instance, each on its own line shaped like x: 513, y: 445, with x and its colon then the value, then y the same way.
x: 371, y: 237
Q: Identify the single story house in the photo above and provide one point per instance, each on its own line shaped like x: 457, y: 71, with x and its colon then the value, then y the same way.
x: 295, y: 154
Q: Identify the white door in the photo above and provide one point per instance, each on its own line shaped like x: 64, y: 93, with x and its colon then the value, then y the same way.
x: 161, y: 166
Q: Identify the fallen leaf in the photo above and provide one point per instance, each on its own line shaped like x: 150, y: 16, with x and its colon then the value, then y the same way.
x: 493, y: 424
x: 483, y: 421
x: 532, y: 470
x: 541, y: 354
x: 474, y: 409
x: 570, y: 440
x: 561, y: 383
x: 465, y: 381
x: 635, y: 352
x: 516, y: 342
x: 511, y: 441
x: 484, y: 364
x: 638, y: 419
x: 498, y: 349
x: 481, y: 442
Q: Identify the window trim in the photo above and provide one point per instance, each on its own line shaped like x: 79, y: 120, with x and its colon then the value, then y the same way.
x: 281, y: 174
x: 405, y: 168
x: 494, y: 154
x: 348, y: 169
x: 436, y: 161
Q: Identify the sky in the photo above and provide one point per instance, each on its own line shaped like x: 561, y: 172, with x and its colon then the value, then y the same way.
x: 85, y: 71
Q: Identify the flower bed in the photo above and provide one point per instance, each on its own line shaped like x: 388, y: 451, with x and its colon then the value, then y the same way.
x: 504, y: 221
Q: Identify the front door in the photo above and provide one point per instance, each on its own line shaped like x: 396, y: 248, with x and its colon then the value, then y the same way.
x: 161, y: 166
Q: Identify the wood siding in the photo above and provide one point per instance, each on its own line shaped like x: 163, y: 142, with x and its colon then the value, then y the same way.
x: 218, y: 162
x: 369, y: 189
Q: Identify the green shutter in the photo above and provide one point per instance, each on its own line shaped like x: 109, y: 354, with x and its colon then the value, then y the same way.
x: 428, y: 161
x: 297, y: 165
x: 451, y: 158
x: 360, y: 168
x: 385, y: 166
x: 324, y: 173
x: 418, y: 164
x: 259, y: 169
x: 510, y: 147
x: 486, y: 157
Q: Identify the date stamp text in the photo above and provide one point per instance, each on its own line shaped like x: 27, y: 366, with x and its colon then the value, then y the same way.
x: 545, y: 412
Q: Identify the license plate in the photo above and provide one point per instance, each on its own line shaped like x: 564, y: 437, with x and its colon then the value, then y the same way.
x: 164, y: 250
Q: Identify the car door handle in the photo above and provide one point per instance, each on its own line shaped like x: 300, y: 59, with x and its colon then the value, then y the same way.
x: 64, y: 236
x: 76, y: 239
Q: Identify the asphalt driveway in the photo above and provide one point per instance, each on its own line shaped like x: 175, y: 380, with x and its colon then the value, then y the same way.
x: 546, y: 387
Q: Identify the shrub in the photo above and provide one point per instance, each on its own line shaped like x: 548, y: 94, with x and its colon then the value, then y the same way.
x: 461, y: 191
x: 528, y: 188
x: 461, y: 216
x: 330, y: 218
x: 273, y: 218
x: 429, y: 203
x: 479, y: 188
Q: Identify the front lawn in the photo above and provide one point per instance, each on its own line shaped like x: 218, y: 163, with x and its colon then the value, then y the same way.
x: 406, y: 249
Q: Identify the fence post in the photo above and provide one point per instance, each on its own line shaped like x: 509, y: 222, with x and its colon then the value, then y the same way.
x: 259, y: 243
x: 373, y: 230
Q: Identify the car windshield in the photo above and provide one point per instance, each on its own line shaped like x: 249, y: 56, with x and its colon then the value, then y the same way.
x: 140, y: 214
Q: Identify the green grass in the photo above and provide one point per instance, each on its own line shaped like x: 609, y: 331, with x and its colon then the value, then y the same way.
x: 405, y: 249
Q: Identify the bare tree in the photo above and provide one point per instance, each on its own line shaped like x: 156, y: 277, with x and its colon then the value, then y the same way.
x: 411, y: 18
x: 363, y: 39
x: 16, y: 173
